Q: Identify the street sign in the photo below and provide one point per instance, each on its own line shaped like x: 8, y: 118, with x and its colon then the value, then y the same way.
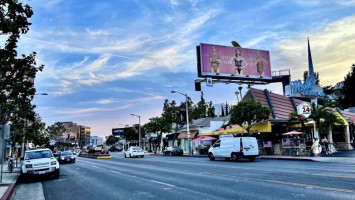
x: 209, y: 82
x: 304, y: 109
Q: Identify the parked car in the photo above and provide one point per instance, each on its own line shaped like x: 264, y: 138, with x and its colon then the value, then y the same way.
x: 39, y: 162
x: 66, y: 156
x: 56, y: 154
x: 235, y: 148
x: 75, y: 151
x: 134, y: 152
x: 173, y: 151
x: 115, y: 148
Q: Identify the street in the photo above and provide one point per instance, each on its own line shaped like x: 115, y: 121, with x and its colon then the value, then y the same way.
x: 161, y: 177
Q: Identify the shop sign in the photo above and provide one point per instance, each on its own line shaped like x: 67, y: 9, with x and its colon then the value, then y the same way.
x: 305, y: 90
x: 304, y: 109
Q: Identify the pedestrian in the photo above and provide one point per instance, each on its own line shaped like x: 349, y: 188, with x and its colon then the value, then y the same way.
x: 325, y: 141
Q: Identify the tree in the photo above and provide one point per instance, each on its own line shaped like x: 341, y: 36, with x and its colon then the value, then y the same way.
x: 324, y: 118
x: 248, y: 112
x: 158, y: 125
x: 348, y: 89
x: 16, y: 73
x: 316, y: 76
x: 227, y: 109
x: 55, y: 130
x: 111, y: 140
x: 129, y: 134
x: 171, y: 112
x: 210, y: 110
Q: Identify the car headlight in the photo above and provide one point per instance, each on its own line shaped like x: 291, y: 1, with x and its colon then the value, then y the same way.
x: 53, y: 163
x: 62, y: 158
x: 72, y: 157
x: 29, y: 166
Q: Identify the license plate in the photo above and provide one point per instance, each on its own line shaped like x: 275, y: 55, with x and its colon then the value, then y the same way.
x: 41, y: 172
x: 68, y: 159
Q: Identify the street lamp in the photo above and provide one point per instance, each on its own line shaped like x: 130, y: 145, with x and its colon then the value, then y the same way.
x: 187, y: 121
x: 139, y: 128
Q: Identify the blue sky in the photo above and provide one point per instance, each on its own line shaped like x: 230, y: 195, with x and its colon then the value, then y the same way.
x: 107, y: 59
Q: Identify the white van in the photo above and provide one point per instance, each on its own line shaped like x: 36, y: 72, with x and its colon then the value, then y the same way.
x: 234, y: 148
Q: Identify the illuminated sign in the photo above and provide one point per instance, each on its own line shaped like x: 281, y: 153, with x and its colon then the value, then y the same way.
x: 307, y: 89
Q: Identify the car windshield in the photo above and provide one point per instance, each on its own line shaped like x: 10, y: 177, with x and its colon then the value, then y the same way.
x: 67, y: 154
x: 38, y: 154
x: 137, y: 149
x: 176, y: 148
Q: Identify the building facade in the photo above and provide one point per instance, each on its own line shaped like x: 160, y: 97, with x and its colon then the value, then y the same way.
x: 96, y: 141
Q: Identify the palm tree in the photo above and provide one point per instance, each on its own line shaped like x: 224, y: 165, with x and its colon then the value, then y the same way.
x: 324, y: 118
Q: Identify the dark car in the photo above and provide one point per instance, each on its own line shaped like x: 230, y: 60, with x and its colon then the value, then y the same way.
x: 173, y: 151
x: 115, y: 148
x: 66, y: 157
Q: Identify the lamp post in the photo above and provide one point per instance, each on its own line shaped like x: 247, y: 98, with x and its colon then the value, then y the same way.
x: 23, y: 142
x: 139, y: 128
x: 187, y: 121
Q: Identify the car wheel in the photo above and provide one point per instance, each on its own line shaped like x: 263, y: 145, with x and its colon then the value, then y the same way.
x: 23, y: 177
x: 56, y: 173
x: 125, y: 155
x: 130, y: 155
x: 171, y: 154
x: 251, y: 159
x: 235, y: 157
x: 73, y: 161
x: 211, y: 156
x: 142, y: 156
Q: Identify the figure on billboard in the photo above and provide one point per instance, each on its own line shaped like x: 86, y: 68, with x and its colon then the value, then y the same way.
x: 214, y: 60
x: 259, y: 62
x: 239, y: 62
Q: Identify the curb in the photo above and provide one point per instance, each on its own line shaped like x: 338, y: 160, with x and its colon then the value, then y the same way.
x: 10, y: 190
x: 103, y: 157
x: 96, y: 157
x: 292, y: 159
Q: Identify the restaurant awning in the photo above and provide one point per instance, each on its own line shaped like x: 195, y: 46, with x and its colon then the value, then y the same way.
x: 341, y: 118
x: 183, y: 134
x: 263, y: 127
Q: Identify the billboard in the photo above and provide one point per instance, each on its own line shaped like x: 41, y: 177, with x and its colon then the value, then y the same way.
x: 233, y: 62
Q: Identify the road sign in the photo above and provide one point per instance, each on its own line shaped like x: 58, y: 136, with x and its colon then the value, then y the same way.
x: 304, y: 109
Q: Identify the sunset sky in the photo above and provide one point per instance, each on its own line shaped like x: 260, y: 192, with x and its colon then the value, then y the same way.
x: 107, y: 59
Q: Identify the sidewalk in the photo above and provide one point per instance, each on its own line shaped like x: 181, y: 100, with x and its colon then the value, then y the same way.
x: 8, y: 184
x: 292, y: 158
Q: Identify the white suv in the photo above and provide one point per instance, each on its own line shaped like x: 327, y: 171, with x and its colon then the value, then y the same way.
x: 38, y: 162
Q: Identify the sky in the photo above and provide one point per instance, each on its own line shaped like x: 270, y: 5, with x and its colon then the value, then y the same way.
x: 105, y: 60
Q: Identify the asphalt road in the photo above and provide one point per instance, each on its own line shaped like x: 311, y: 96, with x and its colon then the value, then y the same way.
x: 160, y: 177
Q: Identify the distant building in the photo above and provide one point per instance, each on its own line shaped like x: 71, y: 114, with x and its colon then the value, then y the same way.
x: 84, y: 136
x: 75, y: 134
x: 96, y: 141
x: 118, y: 132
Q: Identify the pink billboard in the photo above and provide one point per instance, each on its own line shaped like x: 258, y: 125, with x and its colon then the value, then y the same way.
x: 217, y: 60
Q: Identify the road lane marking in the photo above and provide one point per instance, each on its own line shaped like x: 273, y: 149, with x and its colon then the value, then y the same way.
x: 289, y: 183
x: 335, y: 176
x: 167, y: 184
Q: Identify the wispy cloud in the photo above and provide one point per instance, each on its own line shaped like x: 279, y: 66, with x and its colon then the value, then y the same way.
x: 331, y: 46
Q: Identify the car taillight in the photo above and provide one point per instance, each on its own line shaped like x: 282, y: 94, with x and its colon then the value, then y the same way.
x: 241, y: 145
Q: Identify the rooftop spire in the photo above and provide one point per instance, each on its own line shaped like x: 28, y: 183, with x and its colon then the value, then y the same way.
x: 310, y: 63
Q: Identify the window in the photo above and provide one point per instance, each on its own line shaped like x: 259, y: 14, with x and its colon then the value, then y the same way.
x: 217, y: 144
